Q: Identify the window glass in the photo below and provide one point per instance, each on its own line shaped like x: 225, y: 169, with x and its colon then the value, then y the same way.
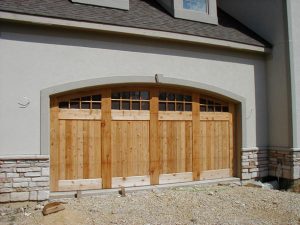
x: 212, y: 105
x: 84, y: 102
x: 170, y: 101
x: 130, y: 100
x: 197, y: 5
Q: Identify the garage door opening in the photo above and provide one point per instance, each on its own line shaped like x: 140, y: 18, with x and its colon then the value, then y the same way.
x: 136, y: 136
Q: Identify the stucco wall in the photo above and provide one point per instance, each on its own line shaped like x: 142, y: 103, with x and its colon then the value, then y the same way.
x: 267, y: 18
x: 35, y: 58
x: 294, y: 36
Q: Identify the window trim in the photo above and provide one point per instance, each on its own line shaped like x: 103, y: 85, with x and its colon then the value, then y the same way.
x: 117, y: 4
x: 209, y: 17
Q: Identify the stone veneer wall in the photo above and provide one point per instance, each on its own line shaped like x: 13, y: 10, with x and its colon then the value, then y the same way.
x: 285, y: 164
x: 254, y: 163
x: 24, y: 178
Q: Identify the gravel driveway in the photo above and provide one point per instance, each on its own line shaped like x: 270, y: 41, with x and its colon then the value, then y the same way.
x: 174, y: 206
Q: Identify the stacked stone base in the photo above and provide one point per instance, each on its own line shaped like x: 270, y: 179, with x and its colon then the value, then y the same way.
x: 284, y: 164
x: 254, y: 163
x: 24, y: 178
x: 260, y: 163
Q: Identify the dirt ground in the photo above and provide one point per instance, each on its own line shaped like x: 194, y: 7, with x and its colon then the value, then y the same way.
x: 219, y: 205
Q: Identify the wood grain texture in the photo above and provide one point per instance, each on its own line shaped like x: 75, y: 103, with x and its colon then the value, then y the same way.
x: 54, y: 145
x: 154, y: 146
x: 120, y: 146
x: 196, y: 139
x: 79, y: 184
x: 133, y: 181
x: 175, y: 140
x: 130, y: 148
x: 106, y: 139
x: 175, y: 178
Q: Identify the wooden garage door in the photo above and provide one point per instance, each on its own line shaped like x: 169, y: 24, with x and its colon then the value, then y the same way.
x: 115, y: 137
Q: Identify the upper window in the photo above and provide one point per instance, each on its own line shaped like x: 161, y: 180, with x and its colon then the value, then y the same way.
x: 197, y: 10
x: 196, y: 5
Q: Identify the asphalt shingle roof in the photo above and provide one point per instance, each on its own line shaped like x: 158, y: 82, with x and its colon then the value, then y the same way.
x: 146, y: 14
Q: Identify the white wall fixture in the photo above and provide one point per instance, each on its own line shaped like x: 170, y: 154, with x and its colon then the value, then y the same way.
x: 24, y: 102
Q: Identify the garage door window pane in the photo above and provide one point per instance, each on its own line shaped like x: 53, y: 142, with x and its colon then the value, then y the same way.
x: 126, y: 105
x: 145, y: 106
x: 145, y: 95
x: 96, y: 106
x: 64, y: 105
x: 115, y: 105
x: 136, y: 105
x: 85, y: 105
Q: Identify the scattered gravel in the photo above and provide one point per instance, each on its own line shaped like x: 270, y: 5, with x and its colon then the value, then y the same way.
x: 218, y: 205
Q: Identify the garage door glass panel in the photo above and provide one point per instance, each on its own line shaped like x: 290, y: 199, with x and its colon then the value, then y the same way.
x: 170, y: 101
x: 130, y: 100
x: 212, y: 105
x: 85, y: 102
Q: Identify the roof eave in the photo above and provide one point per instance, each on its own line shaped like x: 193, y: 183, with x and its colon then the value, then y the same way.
x: 16, y: 17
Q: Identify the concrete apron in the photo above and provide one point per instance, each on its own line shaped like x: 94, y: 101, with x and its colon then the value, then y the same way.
x: 202, y: 183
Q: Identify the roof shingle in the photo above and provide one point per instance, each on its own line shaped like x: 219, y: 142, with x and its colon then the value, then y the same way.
x: 146, y: 14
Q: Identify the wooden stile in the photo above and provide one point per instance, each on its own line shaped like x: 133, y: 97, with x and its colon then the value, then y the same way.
x: 196, y: 139
x: 106, y: 139
x: 154, y: 146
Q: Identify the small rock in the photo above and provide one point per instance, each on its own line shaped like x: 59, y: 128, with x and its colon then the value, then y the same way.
x: 210, y: 193
x: 27, y: 214
x: 3, y: 214
x: 38, y: 207
x: 193, y: 220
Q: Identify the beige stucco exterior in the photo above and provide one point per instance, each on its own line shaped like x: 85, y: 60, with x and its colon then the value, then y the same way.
x: 36, y: 58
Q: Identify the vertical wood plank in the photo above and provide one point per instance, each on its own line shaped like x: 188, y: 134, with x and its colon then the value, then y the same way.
x: 69, y: 152
x: 188, y: 146
x: 212, y: 145
x: 54, y: 145
x: 106, y: 139
x: 74, y: 159
x: 203, y: 146
x: 62, y: 150
x: 154, y: 141
x: 92, y: 150
x: 79, y: 149
x: 196, y: 135
x: 86, y: 136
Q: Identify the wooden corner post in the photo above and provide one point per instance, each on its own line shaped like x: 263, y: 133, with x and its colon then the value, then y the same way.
x: 196, y: 137
x: 106, y: 139
x: 54, y: 144
x: 154, y: 141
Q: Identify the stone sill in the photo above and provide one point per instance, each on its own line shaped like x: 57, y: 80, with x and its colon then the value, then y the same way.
x: 24, y: 157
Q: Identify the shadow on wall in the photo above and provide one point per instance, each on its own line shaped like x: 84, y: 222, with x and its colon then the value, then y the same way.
x: 98, y: 40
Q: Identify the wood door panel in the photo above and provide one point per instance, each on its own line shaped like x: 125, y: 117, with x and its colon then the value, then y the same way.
x: 79, y: 150
x: 176, y: 146
x: 130, y: 148
x: 214, y: 145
